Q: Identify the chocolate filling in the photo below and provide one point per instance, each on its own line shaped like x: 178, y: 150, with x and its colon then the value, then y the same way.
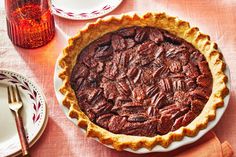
x: 141, y: 81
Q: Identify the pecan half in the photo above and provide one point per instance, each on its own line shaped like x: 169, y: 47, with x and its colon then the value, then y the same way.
x: 170, y: 111
x: 203, y: 66
x: 103, y: 120
x: 100, y: 67
x: 169, y: 107
x: 147, y: 128
x: 102, y: 53
x: 132, y: 72
x: 104, y: 40
x: 190, y: 84
x: 147, y: 60
x: 174, y: 51
x: 79, y: 70
x: 124, y: 60
x: 110, y: 90
x: 175, y: 66
x: 102, y: 107
x: 90, y: 114
x: 141, y: 35
x: 116, y: 124
x: 177, y: 124
x: 123, y: 87
x: 204, y: 80
x: 138, y: 94
x: 127, y: 32
x: 146, y: 48
x: 116, y: 58
x: 190, y: 70
x: 138, y: 76
x: 197, y: 106
x: 189, y: 117
x: 130, y: 43
x: 165, y: 85
x: 152, y: 90
x: 159, y: 61
x: 111, y: 71
x: 159, y: 50
x: 180, y: 113
x: 196, y: 57
x: 158, y: 100
x: 78, y: 84
x: 183, y: 57
x: 131, y: 108
x: 156, y: 36
x: 147, y: 77
x: 179, y: 85
x: 93, y: 93
x: 137, y: 118
x: 172, y: 39
x: 118, y: 42
x: 182, y: 98
x: 92, y: 78
x: 90, y: 62
x: 161, y: 71
x: 152, y: 111
x: 200, y: 93
x: 165, y: 124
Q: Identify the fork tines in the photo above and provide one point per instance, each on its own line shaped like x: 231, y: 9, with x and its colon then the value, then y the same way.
x: 13, y: 94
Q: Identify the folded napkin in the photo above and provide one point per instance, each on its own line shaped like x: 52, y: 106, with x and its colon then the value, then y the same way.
x: 208, y: 146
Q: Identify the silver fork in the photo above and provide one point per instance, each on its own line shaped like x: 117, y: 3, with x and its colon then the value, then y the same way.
x: 15, y: 104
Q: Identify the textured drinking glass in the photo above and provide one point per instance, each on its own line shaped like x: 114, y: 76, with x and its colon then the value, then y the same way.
x: 30, y: 23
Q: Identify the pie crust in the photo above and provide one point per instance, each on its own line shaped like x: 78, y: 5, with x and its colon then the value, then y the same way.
x: 175, y: 26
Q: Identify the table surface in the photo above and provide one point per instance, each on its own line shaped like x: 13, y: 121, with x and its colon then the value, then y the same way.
x: 61, y: 137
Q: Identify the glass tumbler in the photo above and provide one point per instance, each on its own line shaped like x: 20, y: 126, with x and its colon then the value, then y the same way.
x: 30, y: 23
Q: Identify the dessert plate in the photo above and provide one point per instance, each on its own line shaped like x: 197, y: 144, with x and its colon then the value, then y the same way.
x: 174, y: 145
x: 34, y: 113
x: 83, y: 10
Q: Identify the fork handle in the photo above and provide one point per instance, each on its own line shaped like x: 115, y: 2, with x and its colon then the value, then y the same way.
x: 21, y: 133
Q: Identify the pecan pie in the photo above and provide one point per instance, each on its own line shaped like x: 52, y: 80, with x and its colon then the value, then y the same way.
x: 138, y: 81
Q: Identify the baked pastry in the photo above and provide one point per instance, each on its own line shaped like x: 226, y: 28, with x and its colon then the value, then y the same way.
x: 138, y: 81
